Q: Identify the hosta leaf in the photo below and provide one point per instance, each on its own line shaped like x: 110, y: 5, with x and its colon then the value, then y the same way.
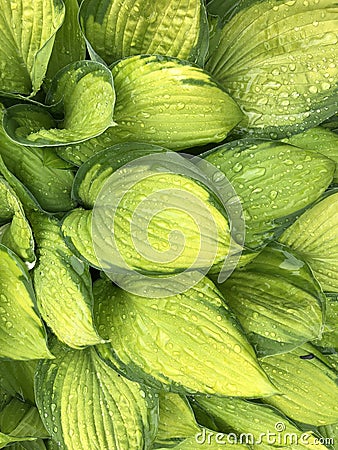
x: 17, y: 378
x: 272, y: 181
x: 53, y: 445
x: 224, y: 10
x: 47, y: 176
x: 6, y: 439
x: 15, y: 231
x: 118, y: 29
x: 21, y: 419
x: 38, y: 444
x: 86, y: 404
x: 330, y: 332
x: 4, y: 398
x: 69, y: 45
x: 244, y: 417
x: 22, y: 335
x: 90, y: 178
x: 276, y: 300
x: 320, y: 140
x: 166, y: 101
x: 331, y: 123
x: 158, y: 216
x: 314, y: 237
x: 78, y: 154
x: 92, y: 175
x: 29, y: 203
x: 82, y: 92
x: 77, y: 232
x: 162, y: 101
x: 188, y: 342
x: 332, y: 359
x: 27, y: 31
x: 308, y: 387
x: 330, y: 432
x: 277, y: 59
x: 203, y: 418
x: 63, y: 286
x: 176, y: 419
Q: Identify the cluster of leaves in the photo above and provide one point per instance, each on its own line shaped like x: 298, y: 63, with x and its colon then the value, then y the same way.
x: 86, y: 89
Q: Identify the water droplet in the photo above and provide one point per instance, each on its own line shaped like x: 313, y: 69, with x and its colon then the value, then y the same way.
x: 313, y: 89
x: 237, y: 167
x: 218, y: 176
x: 326, y: 86
x: 237, y: 348
x: 142, y: 393
x: 273, y: 195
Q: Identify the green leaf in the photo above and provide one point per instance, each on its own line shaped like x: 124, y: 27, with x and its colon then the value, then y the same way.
x: 53, y: 445
x: 308, y: 387
x: 77, y: 232
x: 47, y: 176
x: 92, y: 175
x: 22, y: 335
x: 78, y: 154
x: 15, y: 231
x: 29, y: 445
x: 224, y: 10
x: 21, y: 419
x: 158, y: 216
x: 330, y: 432
x: 17, y: 378
x: 69, y: 45
x: 82, y: 92
x: 89, y: 180
x: 320, y: 140
x: 277, y: 301
x: 177, y: 419
x: 330, y: 332
x: 190, y: 110
x: 28, y: 201
x: 86, y: 404
x: 118, y: 29
x: 6, y: 439
x: 188, y: 342
x: 272, y: 181
x: 4, y: 398
x: 268, y: 59
x: 254, y: 420
x: 314, y: 237
x: 63, y: 286
x: 27, y: 31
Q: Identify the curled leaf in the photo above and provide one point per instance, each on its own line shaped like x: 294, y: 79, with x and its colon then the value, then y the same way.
x: 82, y: 92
